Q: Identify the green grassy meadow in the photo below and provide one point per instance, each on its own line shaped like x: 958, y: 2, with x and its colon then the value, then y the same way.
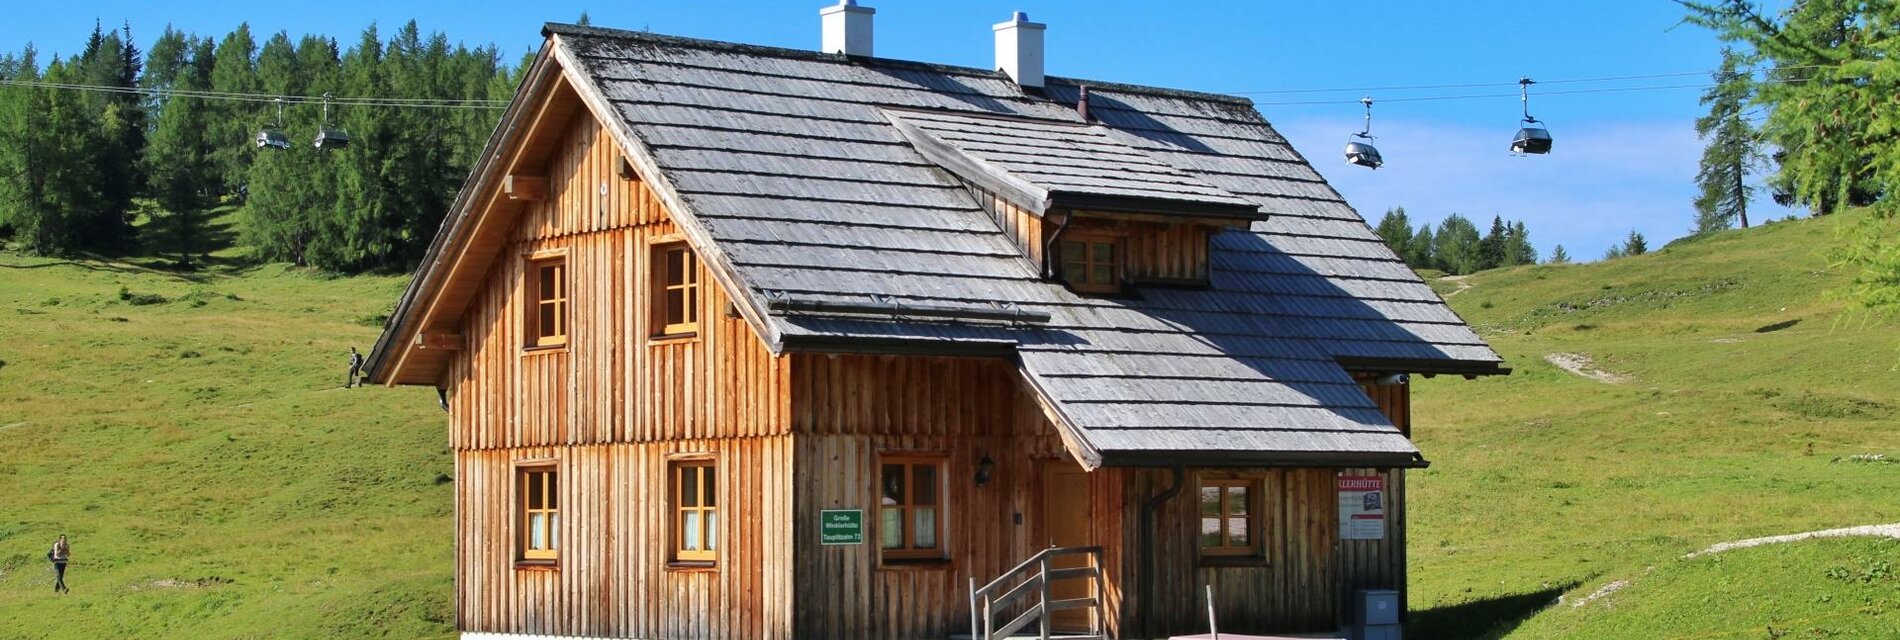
x: 188, y: 430
x: 1748, y: 392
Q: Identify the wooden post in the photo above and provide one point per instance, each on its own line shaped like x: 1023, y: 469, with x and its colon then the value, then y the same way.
x: 1099, y: 624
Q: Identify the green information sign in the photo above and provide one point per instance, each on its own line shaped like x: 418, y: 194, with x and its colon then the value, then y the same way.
x: 841, y: 526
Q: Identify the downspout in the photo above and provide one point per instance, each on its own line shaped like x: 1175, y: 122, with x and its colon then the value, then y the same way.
x: 1178, y: 475
x: 1048, y: 248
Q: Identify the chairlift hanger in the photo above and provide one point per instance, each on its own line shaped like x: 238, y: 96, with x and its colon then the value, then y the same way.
x: 330, y: 137
x: 273, y: 136
x: 1532, y: 138
x: 1363, y: 153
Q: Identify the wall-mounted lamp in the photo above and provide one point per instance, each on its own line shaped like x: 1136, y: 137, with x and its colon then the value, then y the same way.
x: 1391, y: 379
x: 984, y: 468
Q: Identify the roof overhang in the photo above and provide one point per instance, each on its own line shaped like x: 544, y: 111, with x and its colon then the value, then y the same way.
x: 1320, y: 459
x: 1425, y: 366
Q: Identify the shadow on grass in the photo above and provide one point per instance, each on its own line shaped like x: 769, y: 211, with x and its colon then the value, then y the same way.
x: 1481, y: 619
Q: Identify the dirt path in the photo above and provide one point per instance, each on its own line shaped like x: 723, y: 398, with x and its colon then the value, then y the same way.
x: 1581, y: 365
x: 16, y: 424
x: 1872, y: 530
x: 1462, y: 284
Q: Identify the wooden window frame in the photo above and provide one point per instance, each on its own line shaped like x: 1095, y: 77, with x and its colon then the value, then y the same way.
x: 659, y: 263
x: 524, y: 512
x: 909, y: 552
x: 1118, y: 264
x: 1256, y: 529
x: 533, y: 264
x: 706, y: 468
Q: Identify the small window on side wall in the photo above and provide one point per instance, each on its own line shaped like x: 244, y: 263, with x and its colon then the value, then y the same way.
x: 547, y: 295
x: 1229, y: 519
x: 1092, y: 264
x: 539, y: 499
x: 695, y: 511
x: 911, y: 508
x: 675, y: 290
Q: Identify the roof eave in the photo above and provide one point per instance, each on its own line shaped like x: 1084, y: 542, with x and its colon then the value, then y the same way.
x: 1255, y: 459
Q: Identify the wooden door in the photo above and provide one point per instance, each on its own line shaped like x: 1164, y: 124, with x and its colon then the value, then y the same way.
x: 1065, y: 522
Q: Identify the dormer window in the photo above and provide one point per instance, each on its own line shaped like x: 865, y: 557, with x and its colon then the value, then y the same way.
x: 1092, y: 263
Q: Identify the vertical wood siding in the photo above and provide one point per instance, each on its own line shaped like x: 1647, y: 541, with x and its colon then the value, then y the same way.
x: 609, y: 407
x: 848, y: 410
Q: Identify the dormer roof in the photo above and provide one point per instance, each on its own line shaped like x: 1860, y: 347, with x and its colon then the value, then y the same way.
x: 1042, y: 164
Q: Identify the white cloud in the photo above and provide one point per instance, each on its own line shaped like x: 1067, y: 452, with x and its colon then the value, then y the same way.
x: 1600, y: 181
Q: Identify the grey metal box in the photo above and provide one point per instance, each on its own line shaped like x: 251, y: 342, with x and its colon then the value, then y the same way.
x: 1375, y: 607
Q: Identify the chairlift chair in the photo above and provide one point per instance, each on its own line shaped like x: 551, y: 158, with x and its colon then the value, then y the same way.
x: 1363, y: 153
x: 330, y: 137
x: 1532, y: 138
x: 273, y: 136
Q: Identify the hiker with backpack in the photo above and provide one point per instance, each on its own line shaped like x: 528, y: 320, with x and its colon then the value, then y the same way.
x: 60, y: 554
x: 356, y: 369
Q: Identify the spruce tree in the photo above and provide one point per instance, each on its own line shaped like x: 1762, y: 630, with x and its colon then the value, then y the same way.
x: 1396, y: 229
x: 1421, y: 254
x: 1558, y: 256
x: 1722, y: 178
x: 1491, y: 250
x: 1634, y: 245
x: 1518, y: 248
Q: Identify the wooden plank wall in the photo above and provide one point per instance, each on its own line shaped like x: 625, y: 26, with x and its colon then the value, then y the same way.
x: 610, y: 383
x: 1292, y: 590
x: 613, y: 577
x: 1156, y: 252
x: 850, y: 409
x: 1023, y: 228
x: 610, y: 406
x: 1309, y: 574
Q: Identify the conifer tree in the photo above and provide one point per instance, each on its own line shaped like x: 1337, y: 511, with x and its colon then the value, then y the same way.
x: 1421, y: 255
x: 1558, y: 256
x: 234, y: 124
x: 1396, y: 230
x: 1722, y: 179
x: 180, y: 161
x: 1634, y: 245
x: 1518, y: 248
x: 1491, y: 250
x: 1456, y: 245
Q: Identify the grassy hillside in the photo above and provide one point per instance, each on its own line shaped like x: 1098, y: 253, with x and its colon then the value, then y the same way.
x: 190, y: 433
x: 1738, y: 398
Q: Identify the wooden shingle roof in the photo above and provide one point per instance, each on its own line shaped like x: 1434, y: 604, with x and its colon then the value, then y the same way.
x: 794, y: 164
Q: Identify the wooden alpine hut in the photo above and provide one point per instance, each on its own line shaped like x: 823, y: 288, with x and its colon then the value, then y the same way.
x: 757, y: 343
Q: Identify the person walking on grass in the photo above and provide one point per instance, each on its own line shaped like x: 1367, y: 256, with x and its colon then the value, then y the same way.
x: 356, y: 369
x: 60, y: 555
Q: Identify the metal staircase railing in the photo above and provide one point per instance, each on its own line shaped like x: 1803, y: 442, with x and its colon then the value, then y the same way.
x: 1036, y: 576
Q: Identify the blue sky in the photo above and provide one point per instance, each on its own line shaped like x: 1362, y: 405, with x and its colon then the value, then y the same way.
x: 1622, y: 160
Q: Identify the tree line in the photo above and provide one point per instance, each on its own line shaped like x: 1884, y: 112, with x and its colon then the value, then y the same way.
x: 79, y: 168
x: 1455, y: 246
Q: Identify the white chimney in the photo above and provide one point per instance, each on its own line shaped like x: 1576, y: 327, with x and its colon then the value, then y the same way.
x: 847, y: 28
x: 1019, y: 49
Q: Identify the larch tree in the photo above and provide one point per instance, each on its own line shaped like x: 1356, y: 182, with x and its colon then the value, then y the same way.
x: 180, y: 158
x: 1722, y: 186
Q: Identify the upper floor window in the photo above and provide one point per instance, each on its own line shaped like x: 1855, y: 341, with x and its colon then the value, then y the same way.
x: 676, y: 295
x: 910, y: 508
x: 547, y: 317
x: 1230, y: 524
x: 539, y: 492
x: 1092, y: 264
x: 695, y: 511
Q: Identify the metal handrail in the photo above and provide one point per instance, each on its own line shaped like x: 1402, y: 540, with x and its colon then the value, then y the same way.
x: 984, y: 601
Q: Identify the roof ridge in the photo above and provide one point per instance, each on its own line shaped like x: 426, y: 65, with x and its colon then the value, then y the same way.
x: 808, y: 54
